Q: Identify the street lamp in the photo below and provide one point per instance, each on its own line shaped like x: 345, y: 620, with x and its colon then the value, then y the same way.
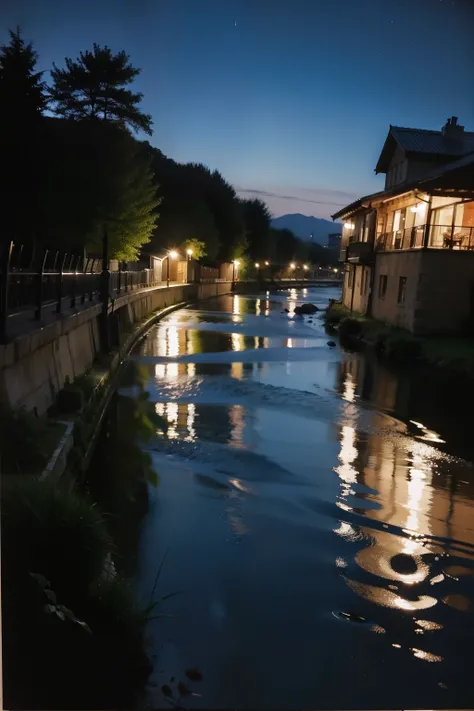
x: 267, y: 264
x: 305, y: 267
x: 235, y: 265
x: 173, y: 254
x: 189, y: 252
x: 292, y: 266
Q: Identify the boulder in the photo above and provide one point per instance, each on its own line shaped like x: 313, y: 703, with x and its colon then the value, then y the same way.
x: 306, y: 309
x: 332, y: 344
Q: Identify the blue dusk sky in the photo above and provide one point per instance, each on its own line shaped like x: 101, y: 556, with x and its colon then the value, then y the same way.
x: 290, y: 99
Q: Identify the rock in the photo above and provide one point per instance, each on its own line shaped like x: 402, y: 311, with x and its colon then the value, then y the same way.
x: 332, y: 344
x: 306, y: 309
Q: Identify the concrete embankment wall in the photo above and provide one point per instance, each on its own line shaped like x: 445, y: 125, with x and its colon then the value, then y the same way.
x: 34, y: 367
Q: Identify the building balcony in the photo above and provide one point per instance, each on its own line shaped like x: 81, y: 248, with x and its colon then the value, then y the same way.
x: 439, y: 237
x: 360, y: 252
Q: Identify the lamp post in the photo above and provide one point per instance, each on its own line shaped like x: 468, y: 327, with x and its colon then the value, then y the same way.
x: 235, y: 264
x: 105, y: 285
x: 189, y: 252
x: 172, y: 254
x: 305, y: 268
x: 257, y: 267
x: 293, y: 267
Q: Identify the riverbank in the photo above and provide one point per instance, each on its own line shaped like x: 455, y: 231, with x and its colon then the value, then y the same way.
x: 399, y: 345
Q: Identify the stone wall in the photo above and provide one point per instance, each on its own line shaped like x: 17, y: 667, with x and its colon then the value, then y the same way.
x: 394, y: 265
x: 356, y: 297
x: 439, y: 290
x: 34, y: 367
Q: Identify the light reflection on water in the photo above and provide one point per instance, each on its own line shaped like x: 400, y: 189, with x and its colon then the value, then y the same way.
x: 373, y: 522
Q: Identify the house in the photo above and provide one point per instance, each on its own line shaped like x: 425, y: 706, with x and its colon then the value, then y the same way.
x: 408, y: 250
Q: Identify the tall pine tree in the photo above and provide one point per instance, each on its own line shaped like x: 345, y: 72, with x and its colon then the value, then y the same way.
x: 94, y: 87
x: 22, y: 91
x: 22, y: 101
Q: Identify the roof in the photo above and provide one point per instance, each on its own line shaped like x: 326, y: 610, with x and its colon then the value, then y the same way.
x: 427, y: 182
x: 420, y: 140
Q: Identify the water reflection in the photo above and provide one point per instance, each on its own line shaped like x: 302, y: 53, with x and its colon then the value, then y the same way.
x: 411, y: 508
x: 337, y: 506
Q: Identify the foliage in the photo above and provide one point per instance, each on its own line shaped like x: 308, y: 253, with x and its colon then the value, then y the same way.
x: 334, y: 314
x: 70, y: 399
x: 22, y: 90
x: 94, y: 87
x: 103, y: 178
x: 22, y: 101
x: 256, y: 218
x: 350, y: 328
x: 197, y: 247
x: 402, y: 348
x: 27, y: 441
x: 50, y: 529
x: 69, y: 632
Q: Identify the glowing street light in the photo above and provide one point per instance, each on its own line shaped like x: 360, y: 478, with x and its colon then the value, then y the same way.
x: 235, y: 265
x: 305, y: 267
x: 267, y: 264
x: 292, y: 265
x: 189, y: 252
x: 172, y: 254
x: 257, y: 265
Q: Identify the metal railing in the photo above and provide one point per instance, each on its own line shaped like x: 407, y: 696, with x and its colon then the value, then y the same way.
x: 36, y: 286
x: 439, y: 237
x: 409, y: 238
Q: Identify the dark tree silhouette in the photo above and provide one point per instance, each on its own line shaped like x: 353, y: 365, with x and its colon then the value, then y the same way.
x: 257, y: 228
x: 22, y: 91
x: 96, y: 174
x: 22, y: 101
x: 94, y: 87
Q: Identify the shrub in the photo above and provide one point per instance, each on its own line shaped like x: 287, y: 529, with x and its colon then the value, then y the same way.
x: 402, y: 348
x: 70, y: 399
x: 27, y: 441
x: 350, y: 328
x: 50, y: 529
x: 334, y: 314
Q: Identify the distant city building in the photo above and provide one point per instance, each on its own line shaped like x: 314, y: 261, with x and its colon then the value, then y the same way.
x: 334, y: 240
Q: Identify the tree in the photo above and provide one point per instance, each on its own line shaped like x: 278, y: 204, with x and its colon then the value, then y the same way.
x: 22, y: 91
x: 257, y: 228
x: 95, y: 175
x: 22, y: 101
x: 196, y: 246
x: 93, y: 87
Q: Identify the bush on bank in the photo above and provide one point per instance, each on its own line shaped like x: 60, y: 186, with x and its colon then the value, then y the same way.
x: 71, y: 631
x: 395, y: 344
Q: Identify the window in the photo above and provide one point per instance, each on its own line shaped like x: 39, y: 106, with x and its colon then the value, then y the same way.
x: 402, y: 289
x: 382, y: 286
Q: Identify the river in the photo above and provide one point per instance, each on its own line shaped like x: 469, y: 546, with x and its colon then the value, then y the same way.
x: 314, y: 516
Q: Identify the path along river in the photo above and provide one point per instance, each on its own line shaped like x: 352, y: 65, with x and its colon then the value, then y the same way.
x: 316, y: 514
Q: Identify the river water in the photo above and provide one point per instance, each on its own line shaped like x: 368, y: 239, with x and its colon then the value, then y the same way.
x: 314, y: 515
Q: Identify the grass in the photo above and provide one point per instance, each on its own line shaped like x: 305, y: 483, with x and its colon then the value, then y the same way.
x: 28, y: 442
x: 70, y: 634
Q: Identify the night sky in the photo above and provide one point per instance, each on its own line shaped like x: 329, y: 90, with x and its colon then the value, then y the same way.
x: 289, y: 99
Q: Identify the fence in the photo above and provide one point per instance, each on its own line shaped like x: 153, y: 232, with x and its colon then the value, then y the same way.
x: 36, y: 285
x: 439, y: 237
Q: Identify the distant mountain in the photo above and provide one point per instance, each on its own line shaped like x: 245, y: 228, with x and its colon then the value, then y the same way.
x: 304, y: 226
